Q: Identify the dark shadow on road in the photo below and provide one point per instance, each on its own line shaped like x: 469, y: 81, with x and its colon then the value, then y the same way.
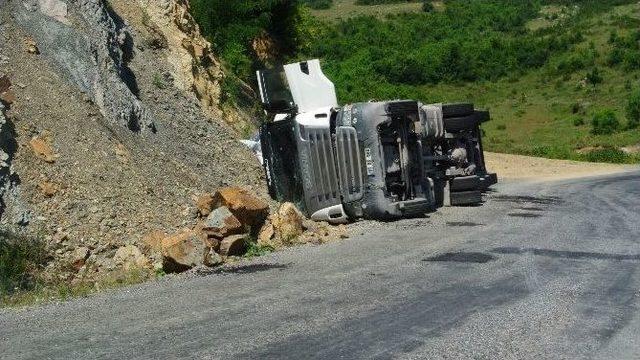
x: 463, y: 224
x: 522, y: 199
x: 249, y: 268
x: 525, y: 215
x: 463, y: 257
x: 565, y: 254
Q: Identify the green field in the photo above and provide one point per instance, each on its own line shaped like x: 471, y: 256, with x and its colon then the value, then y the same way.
x: 543, y: 110
x: 535, y: 114
x: 344, y: 9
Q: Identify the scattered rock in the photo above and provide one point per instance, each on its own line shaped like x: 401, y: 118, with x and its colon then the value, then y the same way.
x: 31, y: 46
x: 213, y: 258
x: 233, y: 245
x: 8, y: 97
x: 5, y: 83
x: 204, y: 203
x: 265, y: 237
x: 48, y: 189
x: 79, y: 256
x: 183, y: 251
x: 287, y: 222
x: 42, y: 149
x: 221, y: 223
x: 130, y: 257
x: 153, y: 241
x: 342, y: 231
x: 250, y: 210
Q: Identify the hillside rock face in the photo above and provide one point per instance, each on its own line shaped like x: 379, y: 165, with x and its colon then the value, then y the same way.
x: 194, y: 64
x: 107, y: 140
x: 95, y: 61
x: 6, y: 152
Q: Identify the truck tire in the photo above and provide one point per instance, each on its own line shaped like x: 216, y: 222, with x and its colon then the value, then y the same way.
x: 466, y: 198
x: 457, y: 110
x: 487, y: 180
x: 455, y: 124
x: 483, y: 116
x: 465, y: 183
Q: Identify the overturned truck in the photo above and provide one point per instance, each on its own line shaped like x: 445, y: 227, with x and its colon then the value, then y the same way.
x: 379, y: 160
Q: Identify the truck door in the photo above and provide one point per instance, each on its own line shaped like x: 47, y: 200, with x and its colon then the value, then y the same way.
x: 301, y: 86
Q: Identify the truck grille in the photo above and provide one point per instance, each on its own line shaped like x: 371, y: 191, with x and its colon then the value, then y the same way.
x: 320, y: 179
x: 349, y: 164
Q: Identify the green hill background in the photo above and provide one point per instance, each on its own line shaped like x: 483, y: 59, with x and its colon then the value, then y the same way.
x: 561, y: 78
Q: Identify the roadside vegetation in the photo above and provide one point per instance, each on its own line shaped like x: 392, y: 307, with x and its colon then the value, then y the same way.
x: 23, y: 279
x: 561, y: 78
x: 20, y: 258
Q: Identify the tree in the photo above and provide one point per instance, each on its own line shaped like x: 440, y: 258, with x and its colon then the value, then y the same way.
x: 633, y: 110
x: 594, y: 78
x: 605, y: 122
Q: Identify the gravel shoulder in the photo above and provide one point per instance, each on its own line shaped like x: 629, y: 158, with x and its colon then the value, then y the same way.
x: 528, y: 168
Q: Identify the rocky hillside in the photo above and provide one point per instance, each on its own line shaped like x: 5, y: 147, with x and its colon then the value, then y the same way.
x: 111, y: 127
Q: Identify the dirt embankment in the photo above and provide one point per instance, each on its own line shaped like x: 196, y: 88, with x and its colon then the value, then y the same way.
x: 110, y: 139
x: 518, y: 167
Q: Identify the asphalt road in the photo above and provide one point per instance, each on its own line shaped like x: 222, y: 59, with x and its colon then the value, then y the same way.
x: 546, y: 271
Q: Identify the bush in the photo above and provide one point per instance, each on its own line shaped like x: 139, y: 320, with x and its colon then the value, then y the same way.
x: 19, y: 257
x: 608, y: 155
x: 231, y: 26
x: 319, y: 4
x: 427, y: 6
x: 594, y: 78
x: 633, y: 110
x: 605, y: 122
x: 577, y: 121
x: 616, y: 56
x: 378, y: 2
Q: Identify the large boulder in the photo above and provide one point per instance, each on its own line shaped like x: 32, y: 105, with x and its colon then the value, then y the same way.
x: 204, y: 203
x: 233, y: 245
x: 221, y: 223
x: 250, y: 210
x: 129, y: 257
x: 183, y: 251
x: 266, y: 236
x: 287, y: 223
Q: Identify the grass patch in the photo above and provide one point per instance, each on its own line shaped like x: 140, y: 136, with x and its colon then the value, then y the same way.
x: 255, y: 250
x: 345, y: 9
x: 44, y: 292
x: 158, y: 81
x: 20, y: 259
x: 609, y: 155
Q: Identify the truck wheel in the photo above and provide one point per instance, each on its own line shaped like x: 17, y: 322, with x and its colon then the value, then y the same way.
x: 483, y: 116
x: 488, y: 180
x: 466, y: 198
x: 455, y: 124
x: 465, y: 183
x: 457, y: 110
